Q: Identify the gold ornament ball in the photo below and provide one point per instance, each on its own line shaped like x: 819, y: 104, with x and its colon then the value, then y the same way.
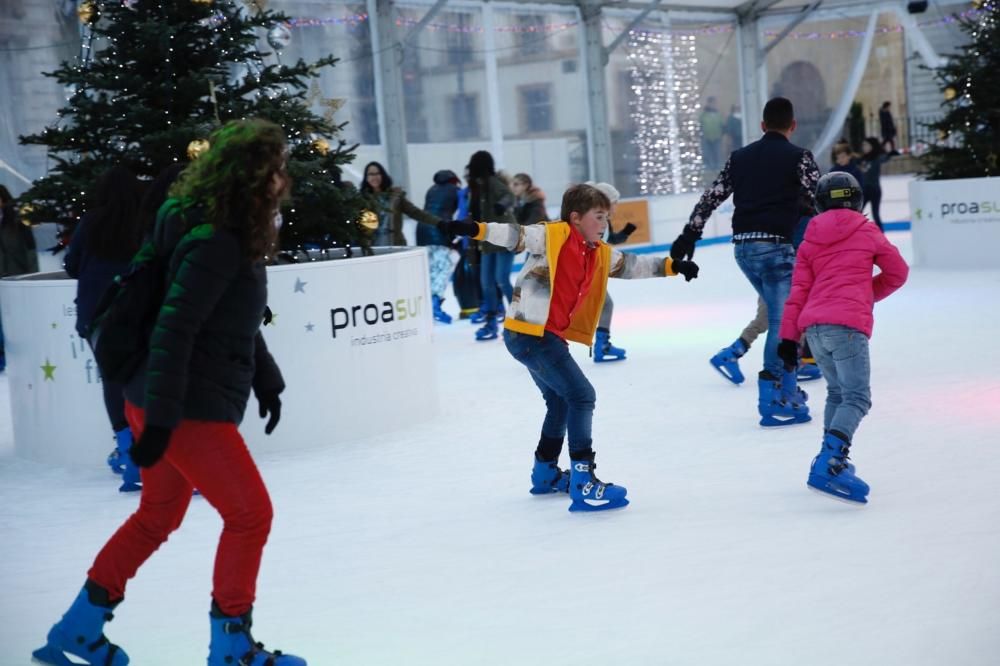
x: 369, y: 220
x: 950, y: 93
x: 86, y: 11
x: 196, y: 148
x: 26, y: 211
x: 321, y: 146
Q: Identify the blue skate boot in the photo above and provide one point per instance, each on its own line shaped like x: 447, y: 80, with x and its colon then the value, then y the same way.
x: 780, y: 402
x: 131, y: 479
x: 831, y: 473
x: 232, y: 644
x: 727, y: 361
x: 808, y: 370
x: 80, y: 633
x: 547, y: 478
x: 501, y: 313
x: 439, y: 314
x: 116, y: 459
x: 489, y: 330
x: 590, y: 493
x: 604, y: 351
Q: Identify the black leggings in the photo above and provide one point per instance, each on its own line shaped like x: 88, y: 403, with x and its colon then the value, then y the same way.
x: 873, y: 195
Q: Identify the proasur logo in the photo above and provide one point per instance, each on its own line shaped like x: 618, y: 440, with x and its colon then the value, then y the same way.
x: 969, y: 207
x: 371, y: 314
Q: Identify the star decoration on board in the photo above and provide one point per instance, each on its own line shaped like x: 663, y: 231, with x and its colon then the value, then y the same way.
x: 300, y: 286
x: 55, y: 325
x: 49, y: 371
x: 310, y: 326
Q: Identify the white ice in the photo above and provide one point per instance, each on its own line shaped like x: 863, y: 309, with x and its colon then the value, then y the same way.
x: 425, y: 548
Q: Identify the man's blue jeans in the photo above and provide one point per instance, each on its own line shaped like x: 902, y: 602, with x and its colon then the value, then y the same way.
x: 569, y: 396
x: 494, y: 271
x: 768, y: 266
x: 842, y: 354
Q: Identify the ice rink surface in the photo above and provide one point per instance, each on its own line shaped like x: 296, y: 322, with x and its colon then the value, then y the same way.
x: 425, y: 548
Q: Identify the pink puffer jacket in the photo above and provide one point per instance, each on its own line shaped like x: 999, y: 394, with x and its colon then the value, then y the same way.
x: 832, y: 282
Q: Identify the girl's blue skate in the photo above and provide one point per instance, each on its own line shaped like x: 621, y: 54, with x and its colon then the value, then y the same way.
x: 590, y: 493
x: 547, y: 478
x: 832, y: 474
x: 781, y: 403
x: 727, y: 361
x: 80, y: 633
x: 808, y: 370
x: 116, y: 459
x: 604, y: 351
x: 232, y: 644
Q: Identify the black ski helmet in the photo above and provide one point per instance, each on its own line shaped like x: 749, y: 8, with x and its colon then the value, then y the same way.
x: 838, y: 189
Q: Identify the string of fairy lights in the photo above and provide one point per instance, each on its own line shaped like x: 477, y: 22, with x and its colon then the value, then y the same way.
x: 664, y: 110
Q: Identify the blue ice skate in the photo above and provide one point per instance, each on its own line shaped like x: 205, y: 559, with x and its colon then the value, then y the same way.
x: 808, y: 370
x: 439, y: 314
x: 117, y: 458
x: 131, y: 478
x: 781, y: 403
x: 590, y: 493
x: 547, y: 478
x: 831, y: 473
x: 727, y: 361
x: 232, y: 644
x: 604, y: 351
x: 80, y: 633
x: 489, y: 330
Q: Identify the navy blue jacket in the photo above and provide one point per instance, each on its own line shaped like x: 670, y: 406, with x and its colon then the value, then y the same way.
x: 766, y: 183
x: 441, y: 201
x: 93, y: 275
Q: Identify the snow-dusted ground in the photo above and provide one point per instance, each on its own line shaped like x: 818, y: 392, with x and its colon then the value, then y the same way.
x: 425, y: 548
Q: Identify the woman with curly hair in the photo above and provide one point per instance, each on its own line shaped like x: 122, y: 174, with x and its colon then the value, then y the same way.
x: 205, y: 355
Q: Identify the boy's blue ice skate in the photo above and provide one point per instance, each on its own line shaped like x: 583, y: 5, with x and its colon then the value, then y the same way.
x: 439, y: 314
x: 832, y: 474
x: 547, y: 478
x: 727, y: 361
x: 590, y: 493
x: 131, y: 479
x: 808, y: 370
x: 604, y: 351
x: 232, y: 644
x: 781, y: 403
x: 80, y: 633
x: 116, y: 459
x: 477, y: 317
x: 489, y: 330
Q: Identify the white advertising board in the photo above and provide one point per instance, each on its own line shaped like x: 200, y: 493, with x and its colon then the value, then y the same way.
x: 352, y: 339
x: 956, y: 223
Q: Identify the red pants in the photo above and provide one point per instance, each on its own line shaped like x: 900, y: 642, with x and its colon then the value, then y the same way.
x: 212, y: 457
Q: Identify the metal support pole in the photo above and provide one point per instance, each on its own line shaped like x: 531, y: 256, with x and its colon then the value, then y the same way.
x: 390, y: 66
x: 492, y: 85
x: 753, y: 77
x: 595, y: 57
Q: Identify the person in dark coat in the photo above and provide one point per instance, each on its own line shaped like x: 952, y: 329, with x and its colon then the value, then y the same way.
x: 206, y: 355
x: 441, y: 201
x: 870, y: 165
x: 18, y: 253
x: 103, y: 243
x: 886, y: 124
x: 529, y: 206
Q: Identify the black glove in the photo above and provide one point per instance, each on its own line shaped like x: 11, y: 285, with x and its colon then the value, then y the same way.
x: 270, y: 403
x: 151, y: 446
x: 788, y: 352
x: 683, y: 247
x: 628, y: 229
x: 499, y: 209
x: 268, y: 315
x: 688, y: 269
x: 458, y: 228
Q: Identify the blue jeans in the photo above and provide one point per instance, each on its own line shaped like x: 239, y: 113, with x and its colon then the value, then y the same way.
x: 569, y: 397
x: 842, y: 354
x: 494, y: 271
x: 768, y: 266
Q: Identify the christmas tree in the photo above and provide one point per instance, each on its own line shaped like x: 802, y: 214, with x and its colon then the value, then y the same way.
x: 969, y: 132
x: 159, y: 76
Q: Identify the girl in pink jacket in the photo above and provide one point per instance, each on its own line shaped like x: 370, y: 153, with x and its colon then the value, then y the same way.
x: 833, y: 293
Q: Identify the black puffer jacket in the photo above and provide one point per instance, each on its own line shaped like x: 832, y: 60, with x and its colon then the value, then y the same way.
x: 531, y: 207
x: 441, y: 201
x: 206, y: 352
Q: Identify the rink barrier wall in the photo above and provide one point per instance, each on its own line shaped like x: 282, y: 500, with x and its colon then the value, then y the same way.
x: 352, y: 339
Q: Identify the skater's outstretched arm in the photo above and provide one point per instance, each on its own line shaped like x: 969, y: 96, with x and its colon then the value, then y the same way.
x: 629, y: 266
x: 512, y: 236
x: 712, y: 198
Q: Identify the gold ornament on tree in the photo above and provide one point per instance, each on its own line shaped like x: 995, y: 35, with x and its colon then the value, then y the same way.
x: 196, y: 148
x: 321, y: 146
x: 86, y: 11
x: 369, y: 220
x: 950, y: 93
x: 25, y: 212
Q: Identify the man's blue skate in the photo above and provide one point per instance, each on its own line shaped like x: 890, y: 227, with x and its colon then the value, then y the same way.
x: 590, y: 493
x: 781, y: 402
x: 832, y: 474
x: 80, y: 633
x: 727, y: 361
